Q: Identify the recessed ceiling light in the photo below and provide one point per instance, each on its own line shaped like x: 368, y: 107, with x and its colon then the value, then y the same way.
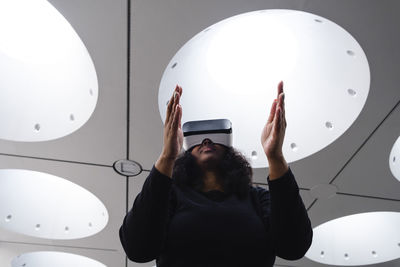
x: 359, y: 239
x: 232, y: 69
x: 49, y: 84
x: 53, y: 258
x: 46, y: 206
x: 394, y: 159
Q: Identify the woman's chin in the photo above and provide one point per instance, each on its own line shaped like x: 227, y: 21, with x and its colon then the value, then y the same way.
x: 209, y: 162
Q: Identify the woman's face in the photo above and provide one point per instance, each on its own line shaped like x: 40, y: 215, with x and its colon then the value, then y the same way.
x: 208, y: 154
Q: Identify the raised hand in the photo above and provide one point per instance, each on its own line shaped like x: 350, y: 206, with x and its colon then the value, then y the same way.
x: 273, y: 133
x: 173, y: 135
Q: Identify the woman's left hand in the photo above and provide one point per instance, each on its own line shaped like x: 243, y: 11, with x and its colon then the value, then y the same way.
x: 274, y: 131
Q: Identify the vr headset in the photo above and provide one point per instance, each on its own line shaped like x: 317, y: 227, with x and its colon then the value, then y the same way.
x: 218, y: 131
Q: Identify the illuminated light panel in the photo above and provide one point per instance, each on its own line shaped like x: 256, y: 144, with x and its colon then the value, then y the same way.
x: 46, y: 206
x: 394, y: 159
x: 359, y: 239
x: 53, y: 258
x: 49, y: 85
x: 232, y: 69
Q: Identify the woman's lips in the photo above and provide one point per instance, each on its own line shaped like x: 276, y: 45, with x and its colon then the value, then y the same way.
x: 207, y: 149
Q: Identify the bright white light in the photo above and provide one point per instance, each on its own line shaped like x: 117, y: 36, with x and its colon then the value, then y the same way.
x: 359, y: 239
x: 231, y: 70
x: 46, y: 206
x: 49, y: 85
x: 231, y: 55
x: 53, y: 258
x: 394, y: 159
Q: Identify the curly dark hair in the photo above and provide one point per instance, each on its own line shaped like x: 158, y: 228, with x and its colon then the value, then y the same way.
x: 234, y: 173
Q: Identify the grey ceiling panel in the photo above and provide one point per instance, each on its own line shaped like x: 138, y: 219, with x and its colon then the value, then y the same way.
x: 368, y: 173
x: 102, y: 27
x: 325, y: 210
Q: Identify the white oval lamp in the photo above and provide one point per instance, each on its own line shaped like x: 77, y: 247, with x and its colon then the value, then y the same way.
x: 394, y: 159
x: 358, y: 239
x: 46, y: 206
x: 53, y: 258
x: 231, y: 70
x: 49, y: 85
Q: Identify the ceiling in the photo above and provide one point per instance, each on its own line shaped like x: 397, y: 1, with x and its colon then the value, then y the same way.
x: 126, y: 123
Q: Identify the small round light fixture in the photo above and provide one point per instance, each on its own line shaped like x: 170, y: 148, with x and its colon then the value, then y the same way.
x: 127, y: 167
x: 49, y: 84
x: 232, y: 71
x: 46, y: 206
x: 357, y: 239
x: 394, y: 159
x: 53, y: 258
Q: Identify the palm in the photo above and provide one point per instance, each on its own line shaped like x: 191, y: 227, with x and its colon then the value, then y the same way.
x: 274, y: 130
x: 173, y: 135
x: 268, y: 140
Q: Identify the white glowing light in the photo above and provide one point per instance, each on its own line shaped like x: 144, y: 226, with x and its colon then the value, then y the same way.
x: 49, y: 85
x: 231, y: 70
x: 46, y: 206
x: 394, y: 159
x: 53, y: 258
x: 359, y: 239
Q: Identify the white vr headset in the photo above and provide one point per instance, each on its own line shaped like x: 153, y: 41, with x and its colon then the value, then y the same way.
x: 218, y: 131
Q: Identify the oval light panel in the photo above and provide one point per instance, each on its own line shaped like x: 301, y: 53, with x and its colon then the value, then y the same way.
x: 46, y: 206
x: 49, y: 85
x: 231, y: 70
x: 359, y: 239
x: 394, y: 159
x: 53, y: 258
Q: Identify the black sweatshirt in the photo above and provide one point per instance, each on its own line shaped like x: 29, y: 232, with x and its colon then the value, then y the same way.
x: 184, y: 227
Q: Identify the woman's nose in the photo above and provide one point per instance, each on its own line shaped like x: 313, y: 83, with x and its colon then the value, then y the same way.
x: 206, y: 142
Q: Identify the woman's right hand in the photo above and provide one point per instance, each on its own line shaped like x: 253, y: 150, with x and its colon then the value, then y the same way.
x: 173, y: 135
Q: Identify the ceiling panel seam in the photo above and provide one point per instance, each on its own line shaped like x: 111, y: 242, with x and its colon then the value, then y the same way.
x: 58, y: 160
x: 365, y: 141
x: 312, y: 204
x: 366, y: 196
x: 128, y: 108
x: 58, y: 246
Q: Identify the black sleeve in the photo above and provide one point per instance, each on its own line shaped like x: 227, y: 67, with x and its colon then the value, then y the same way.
x: 288, y: 220
x: 143, y: 230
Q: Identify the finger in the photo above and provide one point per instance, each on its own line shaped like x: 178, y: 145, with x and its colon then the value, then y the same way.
x: 180, y: 117
x: 281, y: 98
x: 280, y: 88
x: 173, y: 113
x: 170, y: 106
x: 283, y: 110
x: 278, y: 115
x: 275, y: 125
x: 180, y: 90
x: 272, y: 112
x: 180, y: 107
x: 169, y: 109
x: 176, y: 121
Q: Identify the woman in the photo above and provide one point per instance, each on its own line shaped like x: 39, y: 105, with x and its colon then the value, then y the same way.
x: 200, y: 209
